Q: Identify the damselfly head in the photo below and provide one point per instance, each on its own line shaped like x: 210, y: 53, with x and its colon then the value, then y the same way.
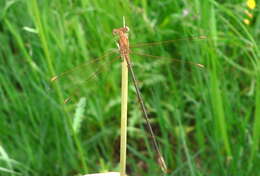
x: 127, y: 29
x: 121, y: 30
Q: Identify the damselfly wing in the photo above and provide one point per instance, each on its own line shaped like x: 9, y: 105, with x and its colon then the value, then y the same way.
x: 87, y: 71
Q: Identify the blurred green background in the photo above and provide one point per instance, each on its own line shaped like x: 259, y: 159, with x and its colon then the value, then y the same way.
x: 207, y: 120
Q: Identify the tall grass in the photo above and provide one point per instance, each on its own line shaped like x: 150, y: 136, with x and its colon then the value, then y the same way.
x: 206, y: 119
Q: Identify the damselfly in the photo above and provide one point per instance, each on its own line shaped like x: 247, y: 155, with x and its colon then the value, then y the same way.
x: 124, y: 51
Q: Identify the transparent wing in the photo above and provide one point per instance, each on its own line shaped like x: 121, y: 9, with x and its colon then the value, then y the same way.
x: 172, y: 59
x: 72, y: 80
x: 88, y: 63
x: 90, y: 77
x: 150, y: 44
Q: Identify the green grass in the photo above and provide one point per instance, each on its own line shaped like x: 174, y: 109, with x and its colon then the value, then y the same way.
x: 207, y: 120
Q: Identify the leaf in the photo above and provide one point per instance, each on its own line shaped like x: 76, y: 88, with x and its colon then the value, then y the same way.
x: 4, y: 157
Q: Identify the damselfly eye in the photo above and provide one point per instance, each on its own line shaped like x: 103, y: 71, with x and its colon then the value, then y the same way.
x: 115, y: 32
x: 127, y: 29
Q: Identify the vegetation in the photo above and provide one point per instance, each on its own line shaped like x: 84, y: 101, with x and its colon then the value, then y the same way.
x: 206, y: 119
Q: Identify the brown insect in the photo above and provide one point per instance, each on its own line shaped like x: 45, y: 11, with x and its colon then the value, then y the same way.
x: 124, y: 50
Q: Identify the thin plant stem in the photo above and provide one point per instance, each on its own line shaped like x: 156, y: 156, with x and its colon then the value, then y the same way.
x: 123, y: 141
x: 124, y: 95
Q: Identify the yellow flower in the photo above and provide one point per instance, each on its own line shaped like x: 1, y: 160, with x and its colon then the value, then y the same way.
x: 246, y: 21
x: 251, y: 4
